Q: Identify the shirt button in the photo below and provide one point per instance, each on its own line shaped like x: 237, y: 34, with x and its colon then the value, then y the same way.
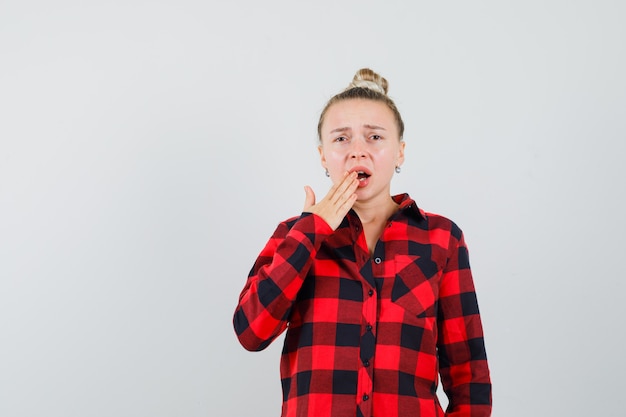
x: 378, y: 260
x: 368, y: 327
x: 370, y: 292
x: 366, y: 363
x: 366, y: 397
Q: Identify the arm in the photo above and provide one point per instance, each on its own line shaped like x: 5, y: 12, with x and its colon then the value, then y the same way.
x: 275, y: 279
x: 462, y: 357
x: 277, y: 276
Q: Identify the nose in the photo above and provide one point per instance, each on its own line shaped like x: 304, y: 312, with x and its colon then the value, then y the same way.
x: 357, y: 150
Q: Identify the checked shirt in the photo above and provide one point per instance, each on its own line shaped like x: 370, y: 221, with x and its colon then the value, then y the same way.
x: 369, y: 334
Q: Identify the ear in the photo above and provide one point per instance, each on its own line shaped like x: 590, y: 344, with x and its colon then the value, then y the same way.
x: 320, y: 149
x: 400, y: 159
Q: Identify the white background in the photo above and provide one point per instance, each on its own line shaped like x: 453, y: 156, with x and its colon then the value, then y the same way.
x: 149, y: 148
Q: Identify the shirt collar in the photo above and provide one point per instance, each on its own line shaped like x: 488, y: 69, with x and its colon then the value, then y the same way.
x: 409, y: 206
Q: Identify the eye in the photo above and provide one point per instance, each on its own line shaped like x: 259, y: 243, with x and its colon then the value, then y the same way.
x: 340, y: 139
x: 375, y: 137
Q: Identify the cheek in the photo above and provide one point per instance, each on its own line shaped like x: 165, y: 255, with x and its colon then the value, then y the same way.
x: 386, y: 157
x: 334, y: 160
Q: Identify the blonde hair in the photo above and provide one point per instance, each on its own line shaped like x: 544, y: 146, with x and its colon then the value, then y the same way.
x: 368, y: 85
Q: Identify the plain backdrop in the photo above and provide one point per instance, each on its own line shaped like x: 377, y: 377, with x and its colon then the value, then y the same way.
x: 148, y: 149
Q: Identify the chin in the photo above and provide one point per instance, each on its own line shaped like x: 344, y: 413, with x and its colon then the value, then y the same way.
x: 362, y: 195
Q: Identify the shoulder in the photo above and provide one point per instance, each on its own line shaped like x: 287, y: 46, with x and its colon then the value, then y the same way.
x: 438, y: 221
x: 434, y: 222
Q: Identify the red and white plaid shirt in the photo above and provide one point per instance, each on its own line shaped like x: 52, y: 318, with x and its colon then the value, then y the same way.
x: 368, y: 334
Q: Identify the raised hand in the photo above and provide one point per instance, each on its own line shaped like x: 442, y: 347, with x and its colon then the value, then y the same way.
x: 337, y: 202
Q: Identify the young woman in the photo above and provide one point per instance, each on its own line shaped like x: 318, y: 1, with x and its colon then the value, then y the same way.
x: 375, y: 293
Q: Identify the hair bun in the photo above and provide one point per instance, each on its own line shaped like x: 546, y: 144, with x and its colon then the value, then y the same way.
x: 366, y: 78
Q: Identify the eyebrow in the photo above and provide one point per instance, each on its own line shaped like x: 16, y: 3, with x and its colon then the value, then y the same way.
x: 344, y: 129
x: 374, y: 127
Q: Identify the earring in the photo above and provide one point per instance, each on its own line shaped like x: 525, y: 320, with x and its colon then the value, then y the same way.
x: 398, y: 169
x: 327, y: 173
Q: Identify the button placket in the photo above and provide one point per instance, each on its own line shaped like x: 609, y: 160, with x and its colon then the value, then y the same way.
x: 368, y: 343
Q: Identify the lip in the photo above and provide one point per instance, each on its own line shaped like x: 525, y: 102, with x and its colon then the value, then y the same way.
x: 359, y: 168
x: 363, y: 182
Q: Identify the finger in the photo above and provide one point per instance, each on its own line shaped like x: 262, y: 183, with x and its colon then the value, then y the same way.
x: 348, y: 194
x: 309, y: 199
x: 349, y: 184
x: 343, y: 207
x: 335, y: 186
x: 347, y: 205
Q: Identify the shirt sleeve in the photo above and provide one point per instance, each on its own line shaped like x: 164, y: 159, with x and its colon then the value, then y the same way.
x: 462, y: 357
x: 275, y: 279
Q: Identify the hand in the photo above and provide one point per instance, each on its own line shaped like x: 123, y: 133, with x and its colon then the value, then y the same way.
x: 337, y: 202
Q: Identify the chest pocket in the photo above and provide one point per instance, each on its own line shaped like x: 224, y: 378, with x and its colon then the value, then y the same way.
x: 416, y: 285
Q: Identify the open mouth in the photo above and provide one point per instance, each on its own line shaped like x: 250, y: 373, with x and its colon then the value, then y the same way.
x: 362, y: 175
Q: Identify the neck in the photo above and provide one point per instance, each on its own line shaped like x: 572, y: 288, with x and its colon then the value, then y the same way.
x: 375, y: 211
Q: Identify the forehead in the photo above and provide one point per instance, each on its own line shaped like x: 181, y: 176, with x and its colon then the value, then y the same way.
x: 355, y: 113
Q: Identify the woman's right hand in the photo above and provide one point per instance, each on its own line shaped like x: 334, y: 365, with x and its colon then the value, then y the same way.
x: 337, y: 202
